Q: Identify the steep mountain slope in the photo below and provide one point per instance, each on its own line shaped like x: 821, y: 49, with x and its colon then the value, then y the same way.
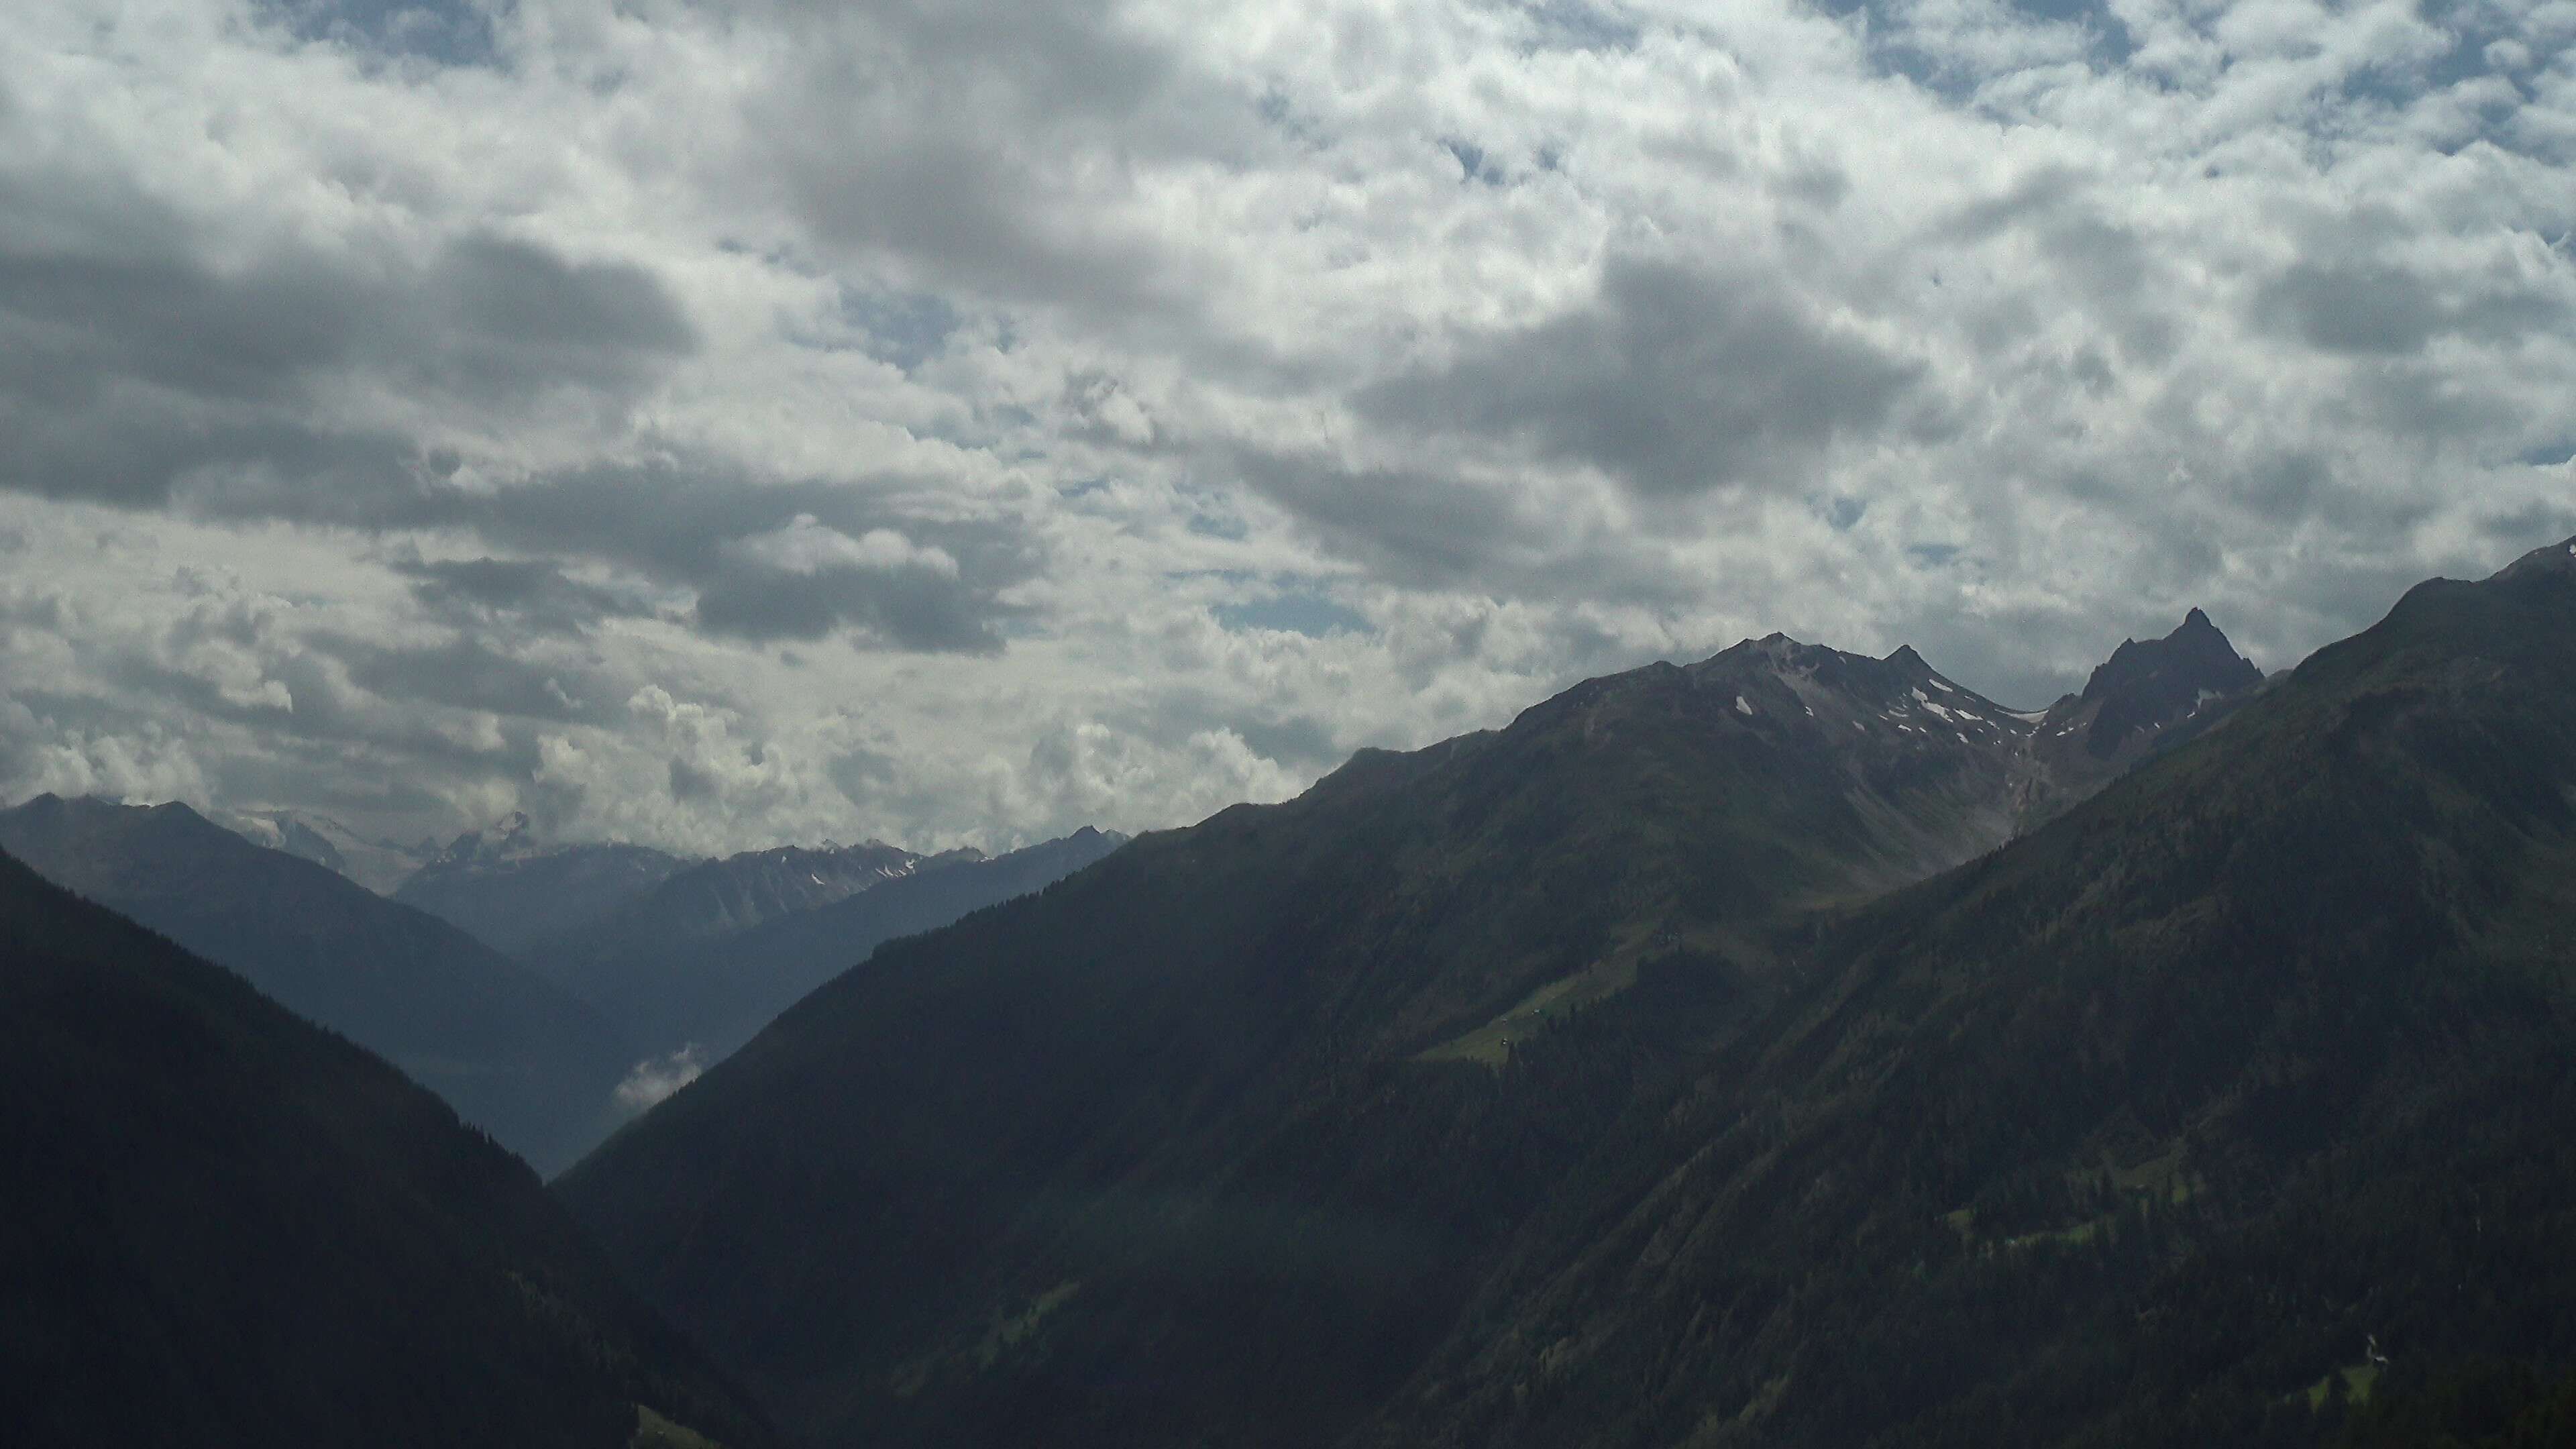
x: 717, y: 898
x: 713, y: 992
x: 228, y: 1227
x: 1548, y: 1088
x: 1220, y: 1098
x: 2147, y: 697
x: 517, y: 1055
x: 378, y: 864
x: 508, y: 890
x: 2146, y: 1130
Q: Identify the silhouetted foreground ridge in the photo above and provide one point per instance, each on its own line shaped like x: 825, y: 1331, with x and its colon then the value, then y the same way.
x: 225, y: 1226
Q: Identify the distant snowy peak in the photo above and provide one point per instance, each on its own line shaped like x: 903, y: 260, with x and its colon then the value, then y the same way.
x: 505, y: 841
x: 510, y: 888
x: 381, y: 865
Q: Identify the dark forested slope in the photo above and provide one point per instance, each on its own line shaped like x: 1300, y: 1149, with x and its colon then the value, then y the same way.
x: 2142, y: 1131
x: 228, y: 1227
x: 1555, y: 1086
x: 1163, y: 1101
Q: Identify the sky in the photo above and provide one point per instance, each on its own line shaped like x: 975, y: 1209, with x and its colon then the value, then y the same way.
x: 718, y: 424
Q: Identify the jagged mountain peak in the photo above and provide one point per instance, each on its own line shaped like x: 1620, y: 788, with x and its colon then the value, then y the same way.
x: 2146, y: 686
x: 2195, y: 644
x: 510, y: 837
x: 2150, y: 695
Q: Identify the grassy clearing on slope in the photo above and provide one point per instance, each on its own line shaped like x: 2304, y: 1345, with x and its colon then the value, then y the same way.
x: 652, y: 1431
x: 2358, y: 1379
x: 1614, y: 973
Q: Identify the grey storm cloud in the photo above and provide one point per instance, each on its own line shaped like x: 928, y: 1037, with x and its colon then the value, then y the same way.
x: 2377, y: 307
x: 935, y: 138
x: 767, y: 560
x: 531, y: 593
x: 1413, y: 524
x: 133, y: 372
x: 466, y: 673
x: 130, y: 363
x: 913, y: 609
x: 1674, y: 380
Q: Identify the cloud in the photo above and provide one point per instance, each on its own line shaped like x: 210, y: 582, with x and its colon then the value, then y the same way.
x: 1674, y: 380
x: 729, y: 421
x: 534, y: 593
x: 653, y: 1079
x: 805, y: 580
x: 139, y: 365
x: 2381, y: 307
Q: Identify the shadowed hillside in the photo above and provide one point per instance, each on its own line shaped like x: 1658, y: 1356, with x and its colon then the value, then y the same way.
x: 1552, y: 1086
x: 228, y: 1227
x: 2152, y: 1128
x: 1225, y: 1103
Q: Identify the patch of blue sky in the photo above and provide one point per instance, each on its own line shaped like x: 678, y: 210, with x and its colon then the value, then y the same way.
x: 1572, y: 25
x: 902, y: 329
x: 443, y: 32
x: 1895, y: 48
x: 1474, y: 162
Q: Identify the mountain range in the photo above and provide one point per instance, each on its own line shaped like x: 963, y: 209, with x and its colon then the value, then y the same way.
x: 1792, y: 1048
x: 712, y: 899
x: 519, y: 1056
x: 508, y: 889
x: 379, y: 864
x: 544, y: 1050
x: 1275, y: 1049
x: 703, y: 960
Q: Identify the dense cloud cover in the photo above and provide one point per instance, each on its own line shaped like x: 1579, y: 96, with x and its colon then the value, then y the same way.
x: 708, y: 424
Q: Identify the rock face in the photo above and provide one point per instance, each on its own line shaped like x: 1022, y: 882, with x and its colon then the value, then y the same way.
x: 2145, y: 698
x: 230, y: 1228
